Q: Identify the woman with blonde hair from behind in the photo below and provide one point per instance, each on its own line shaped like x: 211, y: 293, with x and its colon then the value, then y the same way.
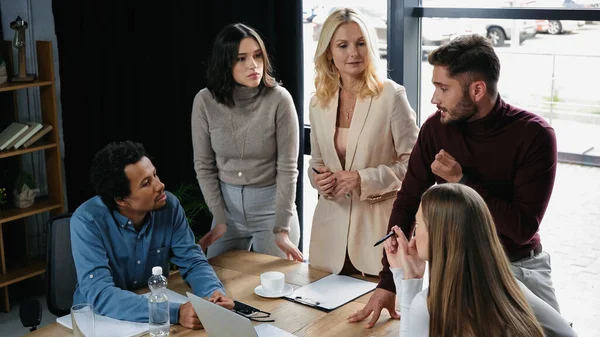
x: 362, y: 132
x: 472, y: 291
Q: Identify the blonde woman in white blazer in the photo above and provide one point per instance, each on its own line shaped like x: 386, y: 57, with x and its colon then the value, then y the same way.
x: 362, y: 132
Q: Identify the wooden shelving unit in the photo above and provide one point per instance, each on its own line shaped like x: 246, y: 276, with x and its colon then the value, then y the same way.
x: 16, y: 269
x: 42, y: 145
x: 17, y: 86
x: 20, y: 213
x: 29, y: 268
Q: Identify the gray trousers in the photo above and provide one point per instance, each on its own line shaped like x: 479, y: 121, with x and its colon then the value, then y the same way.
x: 250, y: 213
x: 535, y: 273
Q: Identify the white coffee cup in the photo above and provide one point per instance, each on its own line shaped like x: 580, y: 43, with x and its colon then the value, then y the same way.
x: 272, y: 282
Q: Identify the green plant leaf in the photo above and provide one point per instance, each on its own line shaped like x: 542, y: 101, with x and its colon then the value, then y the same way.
x: 192, y: 201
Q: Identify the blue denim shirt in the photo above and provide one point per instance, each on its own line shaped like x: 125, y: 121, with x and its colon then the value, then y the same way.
x: 112, y: 258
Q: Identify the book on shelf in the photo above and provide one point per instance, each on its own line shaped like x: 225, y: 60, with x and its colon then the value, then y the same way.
x: 44, y: 130
x: 33, y: 128
x: 8, y: 135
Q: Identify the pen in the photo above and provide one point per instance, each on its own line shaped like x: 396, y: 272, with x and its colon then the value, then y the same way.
x: 389, y: 235
x: 314, y: 169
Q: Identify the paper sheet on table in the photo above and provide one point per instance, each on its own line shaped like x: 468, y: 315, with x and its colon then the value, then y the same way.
x: 111, y: 327
x: 331, y: 292
x: 268, y: 330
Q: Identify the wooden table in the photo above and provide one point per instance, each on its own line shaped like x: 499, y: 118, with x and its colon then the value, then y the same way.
x: 240, y: 270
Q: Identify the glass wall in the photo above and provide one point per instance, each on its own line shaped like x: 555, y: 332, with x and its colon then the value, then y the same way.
x: 548, y: 74
x: 549, y: 67
x: 555, y: 4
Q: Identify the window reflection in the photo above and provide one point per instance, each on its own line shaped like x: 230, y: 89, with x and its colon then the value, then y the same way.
x: 547, y: 72
x: 557, y: 4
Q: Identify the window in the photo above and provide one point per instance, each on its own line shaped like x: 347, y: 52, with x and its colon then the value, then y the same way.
x: 556, y: 4
x: 548, y: 71
x: 551, y: 72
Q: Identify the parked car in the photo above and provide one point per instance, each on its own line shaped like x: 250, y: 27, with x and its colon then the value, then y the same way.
x: 437, y: 31
x: 581, y: 4
x: 500, y: 30
x: 497, y: 30
x: 571, y: 4
x: 557, y: 26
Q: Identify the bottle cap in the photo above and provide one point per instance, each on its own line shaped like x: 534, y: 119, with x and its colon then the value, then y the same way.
x: 157, y: 270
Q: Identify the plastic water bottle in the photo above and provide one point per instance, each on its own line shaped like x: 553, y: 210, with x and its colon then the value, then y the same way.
x: 158, y: 304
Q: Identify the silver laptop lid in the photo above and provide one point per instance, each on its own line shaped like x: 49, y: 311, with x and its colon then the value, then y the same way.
x: 221, y: 322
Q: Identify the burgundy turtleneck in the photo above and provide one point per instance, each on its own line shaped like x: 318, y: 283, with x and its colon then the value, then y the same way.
x: 509, y: 157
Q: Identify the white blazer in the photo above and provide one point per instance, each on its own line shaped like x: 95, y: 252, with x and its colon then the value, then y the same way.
x: 380, y: 139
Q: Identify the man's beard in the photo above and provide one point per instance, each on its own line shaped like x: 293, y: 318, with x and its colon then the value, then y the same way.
x: 463, y: 111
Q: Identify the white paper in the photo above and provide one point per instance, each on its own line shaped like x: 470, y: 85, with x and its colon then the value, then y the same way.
x: 173, y: 297
x: 333, y: 291
x: 268, y: 330
x: 111, y: 327
x: 108, y: 327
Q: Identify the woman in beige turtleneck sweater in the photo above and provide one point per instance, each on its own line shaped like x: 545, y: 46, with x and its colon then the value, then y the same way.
x: 245, y: 139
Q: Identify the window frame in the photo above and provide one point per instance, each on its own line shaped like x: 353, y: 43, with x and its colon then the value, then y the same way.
x: 406, y: 18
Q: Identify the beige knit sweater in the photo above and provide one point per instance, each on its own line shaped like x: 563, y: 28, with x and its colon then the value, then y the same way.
x: 253, y: 143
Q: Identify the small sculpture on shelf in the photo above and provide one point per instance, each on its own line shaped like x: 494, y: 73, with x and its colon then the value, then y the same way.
x: 19, y: 26
x: 25, y: 191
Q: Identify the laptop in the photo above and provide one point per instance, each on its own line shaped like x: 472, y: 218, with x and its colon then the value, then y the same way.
x: 221, y: 322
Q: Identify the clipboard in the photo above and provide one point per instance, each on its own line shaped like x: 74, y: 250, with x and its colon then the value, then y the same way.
x: 331, y: 292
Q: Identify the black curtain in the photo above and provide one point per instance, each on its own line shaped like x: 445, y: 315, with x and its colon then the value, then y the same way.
x: 131, y: 71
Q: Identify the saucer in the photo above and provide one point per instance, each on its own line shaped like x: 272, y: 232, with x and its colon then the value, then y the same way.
x: 287, y: 290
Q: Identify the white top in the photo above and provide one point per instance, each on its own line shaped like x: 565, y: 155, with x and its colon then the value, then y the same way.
x: 157, y: 270
x: 414, y: 320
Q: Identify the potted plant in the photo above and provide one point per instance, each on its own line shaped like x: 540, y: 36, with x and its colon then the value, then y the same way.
x: 25, y: 191
x: 195, y: 209
x: 191, y: 199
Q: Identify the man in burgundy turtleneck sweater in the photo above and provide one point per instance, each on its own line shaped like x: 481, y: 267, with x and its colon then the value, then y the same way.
x: 508, y: 155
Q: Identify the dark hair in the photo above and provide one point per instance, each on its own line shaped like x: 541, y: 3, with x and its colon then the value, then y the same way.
x: 470, y: 55
x: 107, y: 174
x: 219, y: 75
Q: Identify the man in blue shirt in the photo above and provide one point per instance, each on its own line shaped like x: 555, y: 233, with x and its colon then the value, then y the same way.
x: 132, y: 225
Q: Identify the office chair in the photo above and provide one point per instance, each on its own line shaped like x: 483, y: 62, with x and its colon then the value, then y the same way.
x: 60, y: 268
x: 30, y: 313
x: 60, y: 274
